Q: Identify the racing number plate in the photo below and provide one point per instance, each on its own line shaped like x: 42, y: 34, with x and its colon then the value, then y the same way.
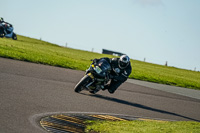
x: 98, y: 70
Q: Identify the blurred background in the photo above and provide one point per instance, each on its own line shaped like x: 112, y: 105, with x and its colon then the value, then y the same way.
x: 155, y: 31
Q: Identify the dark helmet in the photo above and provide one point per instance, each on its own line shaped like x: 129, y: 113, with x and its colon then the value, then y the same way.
x: 1, y: 19
x: 124, y: 61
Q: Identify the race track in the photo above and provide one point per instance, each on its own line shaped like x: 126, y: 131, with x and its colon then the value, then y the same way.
x: 28, y: 91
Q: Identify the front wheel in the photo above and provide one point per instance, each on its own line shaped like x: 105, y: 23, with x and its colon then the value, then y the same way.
x: 81, y: 83
x: 14, y: 37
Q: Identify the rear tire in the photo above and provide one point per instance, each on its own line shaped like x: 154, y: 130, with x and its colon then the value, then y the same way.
x: 1, y: 32
x: 81, y: 83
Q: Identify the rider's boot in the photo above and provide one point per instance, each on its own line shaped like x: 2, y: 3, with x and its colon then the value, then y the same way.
x: 96, y: 90
x: 105, y: 87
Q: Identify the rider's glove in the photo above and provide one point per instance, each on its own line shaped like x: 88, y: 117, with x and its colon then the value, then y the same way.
x: 95, y: 61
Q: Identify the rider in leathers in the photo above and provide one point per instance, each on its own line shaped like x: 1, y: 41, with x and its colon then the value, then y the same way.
x: 121, y: 69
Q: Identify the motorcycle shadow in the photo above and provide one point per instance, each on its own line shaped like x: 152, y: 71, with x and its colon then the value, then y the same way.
x: 132, y: 104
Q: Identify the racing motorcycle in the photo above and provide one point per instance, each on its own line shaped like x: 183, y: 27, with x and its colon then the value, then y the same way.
x: 95, y: 78
x: 6, y: 29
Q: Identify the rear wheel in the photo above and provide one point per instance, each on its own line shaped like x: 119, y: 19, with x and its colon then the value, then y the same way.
x: 79, y: 87
x: 1, y: 32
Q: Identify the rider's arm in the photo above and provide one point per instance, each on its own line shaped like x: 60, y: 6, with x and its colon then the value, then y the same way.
x: 96, y: 60
x: 123, y: 76
x: 10, y: 25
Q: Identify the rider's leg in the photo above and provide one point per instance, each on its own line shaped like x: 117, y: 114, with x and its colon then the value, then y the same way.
x: 112, y: 87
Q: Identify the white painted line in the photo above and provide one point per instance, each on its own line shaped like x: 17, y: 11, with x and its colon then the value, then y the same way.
x: 167, y: 88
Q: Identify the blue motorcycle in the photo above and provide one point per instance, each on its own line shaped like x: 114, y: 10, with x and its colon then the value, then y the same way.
x: 6, y: 30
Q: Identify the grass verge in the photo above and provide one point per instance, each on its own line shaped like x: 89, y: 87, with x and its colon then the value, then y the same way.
x: 142, y: 127
x: 37, y: 51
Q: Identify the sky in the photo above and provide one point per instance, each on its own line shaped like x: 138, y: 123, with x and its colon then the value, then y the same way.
x: 157, y: 30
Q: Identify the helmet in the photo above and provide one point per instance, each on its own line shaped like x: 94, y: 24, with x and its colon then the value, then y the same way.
x: 1, y: 19
x: 124, y: 61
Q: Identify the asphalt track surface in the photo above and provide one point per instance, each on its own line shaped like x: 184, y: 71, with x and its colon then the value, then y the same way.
x: 30, y: 91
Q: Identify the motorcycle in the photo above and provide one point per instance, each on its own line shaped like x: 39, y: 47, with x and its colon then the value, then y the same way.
x: 95, y: 78
x: 6, y: 29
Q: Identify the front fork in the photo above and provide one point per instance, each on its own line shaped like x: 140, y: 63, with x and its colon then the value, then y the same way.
x: 92, y: 77
x: 94, y: 89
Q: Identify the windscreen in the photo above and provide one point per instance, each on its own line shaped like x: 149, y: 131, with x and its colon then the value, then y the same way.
x: 104, y: 65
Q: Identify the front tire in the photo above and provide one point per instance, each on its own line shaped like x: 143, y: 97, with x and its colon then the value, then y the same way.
x: 81, y: 83
x: 14, y: 37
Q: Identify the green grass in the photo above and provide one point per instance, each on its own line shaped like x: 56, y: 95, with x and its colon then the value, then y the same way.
x: 33, y: 50
x: 142, y: 127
